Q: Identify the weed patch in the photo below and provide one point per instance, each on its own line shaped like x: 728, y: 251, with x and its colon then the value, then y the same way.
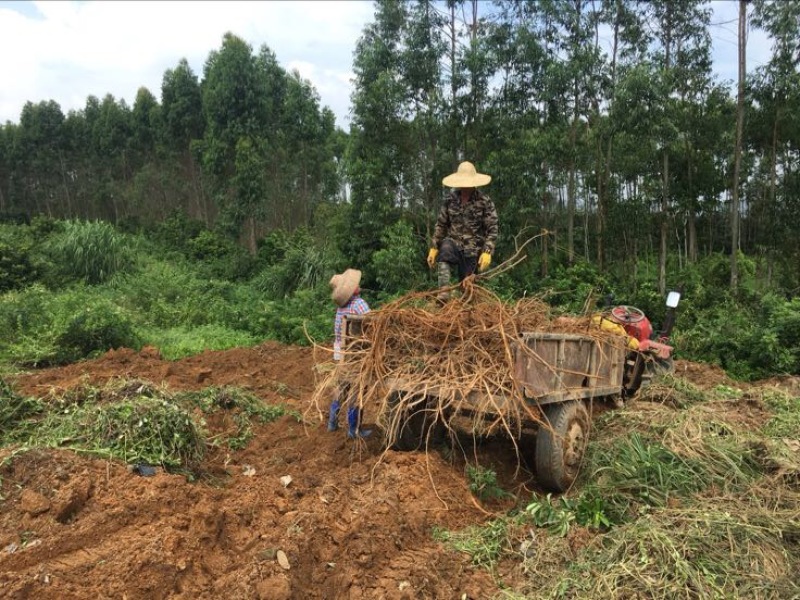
x: 179, y: 342
x: 485, y: 543
x: 732, y: 549
x: 16, y: 413
x: 785, y: 421
x: 674, y: 391
x: 483, y: 483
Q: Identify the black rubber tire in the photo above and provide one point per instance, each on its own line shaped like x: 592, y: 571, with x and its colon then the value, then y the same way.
x: 417, y: 429
x: 561, y: 446
x: 665, y: 365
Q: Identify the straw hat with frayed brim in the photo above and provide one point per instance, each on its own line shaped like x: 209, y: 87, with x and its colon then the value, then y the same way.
x: 344, y: 285
x: 466, y: 177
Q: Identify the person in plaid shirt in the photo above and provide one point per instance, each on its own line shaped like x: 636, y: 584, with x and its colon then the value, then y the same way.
x: 345, y: 293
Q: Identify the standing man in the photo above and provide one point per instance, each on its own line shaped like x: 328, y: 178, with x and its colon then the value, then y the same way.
x: 466, y: 229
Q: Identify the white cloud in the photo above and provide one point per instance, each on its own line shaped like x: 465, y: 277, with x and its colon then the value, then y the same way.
x: 71, y: 50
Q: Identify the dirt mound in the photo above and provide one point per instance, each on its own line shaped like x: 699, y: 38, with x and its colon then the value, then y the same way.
x: 275, y: 372
x: 702, y: 375
x: 348, y: 524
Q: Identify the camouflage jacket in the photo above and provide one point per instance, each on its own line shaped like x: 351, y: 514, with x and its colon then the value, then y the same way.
x: 473, y: 226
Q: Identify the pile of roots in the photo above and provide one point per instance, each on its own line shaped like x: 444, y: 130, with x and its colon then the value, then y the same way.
x: 457, y: 357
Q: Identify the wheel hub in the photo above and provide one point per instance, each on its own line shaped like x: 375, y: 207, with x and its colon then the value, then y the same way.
x: 573, y: 446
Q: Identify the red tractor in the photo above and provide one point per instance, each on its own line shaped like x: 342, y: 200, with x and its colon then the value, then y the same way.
x: 653, y: 353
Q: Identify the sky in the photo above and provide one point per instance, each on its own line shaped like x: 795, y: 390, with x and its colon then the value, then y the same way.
x: 67, y: 51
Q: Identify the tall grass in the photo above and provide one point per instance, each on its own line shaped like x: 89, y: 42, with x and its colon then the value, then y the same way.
x: 90, y: 251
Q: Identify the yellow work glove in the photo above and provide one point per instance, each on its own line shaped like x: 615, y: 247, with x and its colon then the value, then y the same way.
x: 484, y: 260
x: 432, y: 254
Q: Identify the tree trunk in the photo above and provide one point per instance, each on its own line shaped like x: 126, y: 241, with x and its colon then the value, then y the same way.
x: 453, y: 90
x: 738, y: 151
x: 663, y: 225
x: 663, y: 231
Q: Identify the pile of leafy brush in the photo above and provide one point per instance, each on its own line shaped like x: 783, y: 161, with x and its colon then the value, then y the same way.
x: 132, y: 421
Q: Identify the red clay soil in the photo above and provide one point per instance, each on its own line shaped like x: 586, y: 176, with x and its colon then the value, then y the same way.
x: 351, y: 524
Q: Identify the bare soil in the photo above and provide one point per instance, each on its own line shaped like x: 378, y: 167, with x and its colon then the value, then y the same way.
x: 354, y: 522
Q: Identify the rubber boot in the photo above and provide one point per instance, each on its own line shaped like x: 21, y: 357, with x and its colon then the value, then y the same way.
x: 354, y: 424
x: 333, y: 416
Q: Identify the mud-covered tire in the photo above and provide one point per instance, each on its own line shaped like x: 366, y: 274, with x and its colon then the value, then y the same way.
x: 417, y: 428
x: 664, y: 365
x: 561, y: 445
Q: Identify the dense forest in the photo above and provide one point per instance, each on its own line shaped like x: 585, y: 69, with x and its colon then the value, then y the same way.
x: 630, y: 167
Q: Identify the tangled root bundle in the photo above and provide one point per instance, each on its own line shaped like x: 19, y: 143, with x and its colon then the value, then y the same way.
x: 418, y: 356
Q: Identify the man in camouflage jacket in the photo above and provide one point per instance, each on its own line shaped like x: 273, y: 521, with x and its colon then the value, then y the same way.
x: 466, y: 229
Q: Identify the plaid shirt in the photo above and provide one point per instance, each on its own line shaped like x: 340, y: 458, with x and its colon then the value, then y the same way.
x: 355, y: 306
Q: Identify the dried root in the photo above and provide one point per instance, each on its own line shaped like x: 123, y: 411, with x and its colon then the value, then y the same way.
x: 422, y: 363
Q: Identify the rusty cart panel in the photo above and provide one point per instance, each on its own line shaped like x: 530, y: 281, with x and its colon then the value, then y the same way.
x: 555, y: 367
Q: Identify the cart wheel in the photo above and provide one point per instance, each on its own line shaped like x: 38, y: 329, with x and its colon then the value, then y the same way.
x: 560, y: 447
x: 665, y: 365
x: 656, y: 367
x: 416, y: 428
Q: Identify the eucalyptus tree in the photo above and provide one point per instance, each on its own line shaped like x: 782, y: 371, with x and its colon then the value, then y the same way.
x: 628, y: 47
x: 111, y: 132
x: 39, y: 151
x: 378, y: 146
x: 737, y: 158
x: 525, y: 152
x: 425, y: 107
x: 7, y: 132
x: 575, y: 78
x: 183, y: 124
x: 306, y: 130
x: 776, y: 94
x: 681, y: 52
x: 146, y: 128
x: 235, y: 96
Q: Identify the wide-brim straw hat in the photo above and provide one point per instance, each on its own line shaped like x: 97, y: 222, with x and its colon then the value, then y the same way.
x: 344, y: 285
x: 466, y: 177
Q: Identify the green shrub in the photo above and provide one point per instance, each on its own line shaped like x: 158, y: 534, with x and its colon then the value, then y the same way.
x: 177, y: 230
x: 17, y: 265
x: 39, y: 327
x: 572, y: 286
x: 96, y: 328
x: 483, y: 483
x: 180, y: 342
x: 90, y: 251
x: 747, y: 341
x: 173, y: 295
x: 288, y: 320
x: 397, y: 266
